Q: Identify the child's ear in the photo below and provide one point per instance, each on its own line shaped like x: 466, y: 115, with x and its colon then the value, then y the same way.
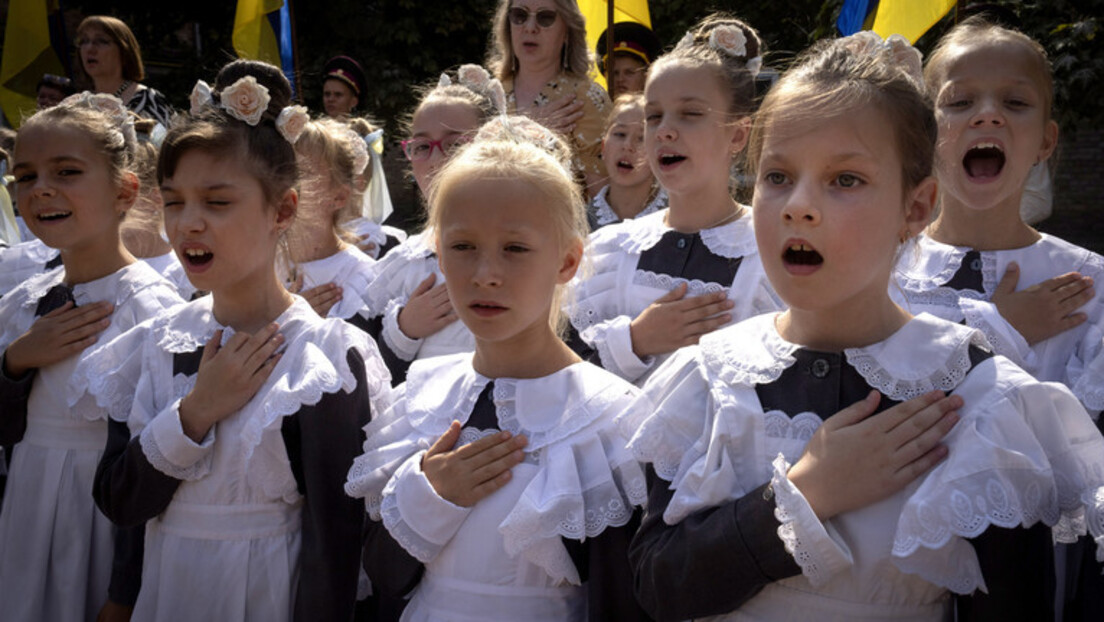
x: 1050, y: 141
x: 341, y: 197
x: 286, y: 209
x: 127, y: 193
x: 919, y: 205
x: 740, y: 136
x: 573, y: 256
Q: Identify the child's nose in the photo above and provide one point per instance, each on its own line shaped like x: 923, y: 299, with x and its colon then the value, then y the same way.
x: 988, y: 113
x: 801, y: 205
x: 488, y: 271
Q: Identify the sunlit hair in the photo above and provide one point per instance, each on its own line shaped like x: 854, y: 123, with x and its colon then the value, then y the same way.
x: 976, y: 32
x: 334, y: 144
x: 831, y: 80
x: 266, y: 154
x: 116, y: 144
x: 501, y: 59
x: 480, y: 102
x: 502, y: 152
x: 624, y: 102
x: 736, y: 81
x: 130, y: 54
x: 144, y: 221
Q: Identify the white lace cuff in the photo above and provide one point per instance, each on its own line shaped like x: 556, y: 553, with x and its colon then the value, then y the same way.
x: 169, y: 449
x: 404, y: 347
x: 613, y: 340
x: 811, y: 542
x: 1006, y: 340
x: 417, y: 517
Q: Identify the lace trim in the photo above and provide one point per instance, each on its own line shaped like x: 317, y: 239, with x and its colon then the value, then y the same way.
x: 920, y: 282
x: 944, y: 377
x: 729, y: 355
x: 667, y: 282
x: 778, y: 424
x: 422, y: 549
x: 571, y: 422
x: 37, y: 286
x: 786, y: 498
x: 604, y: 214
x: 736, y: 239
x: 997, y: 341
x: 158, y: 460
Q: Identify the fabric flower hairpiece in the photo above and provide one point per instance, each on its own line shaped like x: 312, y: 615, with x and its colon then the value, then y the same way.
x: 476, y: 78
x: 291, y: 122
x: 360, y: 151
x: 900, y: 51
x: 728, y: 40
x: 247, y: 100
x: 113, y: 108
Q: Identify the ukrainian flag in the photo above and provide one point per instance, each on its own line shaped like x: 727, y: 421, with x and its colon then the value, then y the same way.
x: 909, y: 18
x: 262, y: 31
x: 27, y: 56
x: 596, y: 14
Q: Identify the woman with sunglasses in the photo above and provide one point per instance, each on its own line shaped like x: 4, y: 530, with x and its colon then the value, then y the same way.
x: 111, y: 62
x: 410, y: 314
x: 540, y: 54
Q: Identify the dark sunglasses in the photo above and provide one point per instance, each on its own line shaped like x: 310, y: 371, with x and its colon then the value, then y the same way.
x: 520, y: 15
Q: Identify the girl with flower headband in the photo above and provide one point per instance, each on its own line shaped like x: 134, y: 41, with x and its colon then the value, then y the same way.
x: 235, y: 417
x: 844, y: 457
x: 411, y: 313
x: 661, y: 281
x: 517, y: 506
x: 325, y: 266
x: 74, y: 180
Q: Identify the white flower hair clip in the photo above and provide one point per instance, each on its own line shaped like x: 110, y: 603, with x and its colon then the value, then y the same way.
x: 901, y: 52
x: 291, y: 122
x: 245, y: 100
x: 113, y: 108
x: 729, y: 40
x: 201, y: 97
x: 475, y: 77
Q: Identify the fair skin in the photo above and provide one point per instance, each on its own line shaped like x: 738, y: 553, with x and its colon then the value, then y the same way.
x: 690, y: 139
x: 429, y: 309
x: 71, y: 200
x: 337, y: 98
x: 822, y: 184
x: 538, y: 51
x: 629, y: 73
x: 102, y: 61
x: 225, y: 233
x: 993, y: 127
x: 313, y: 237
x: 630, y: 177
x: 502, y: 267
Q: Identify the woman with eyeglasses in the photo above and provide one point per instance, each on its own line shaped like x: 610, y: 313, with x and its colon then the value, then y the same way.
x: 539, y: 52
x: 111, y: 62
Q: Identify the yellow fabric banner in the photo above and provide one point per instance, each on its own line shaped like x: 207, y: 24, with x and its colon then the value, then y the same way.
x: 595, y: 12
x: 27, y: 56
x: 909, y: 18
x: 253, y: 36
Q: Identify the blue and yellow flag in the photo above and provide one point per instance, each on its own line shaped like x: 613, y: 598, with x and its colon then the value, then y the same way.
x: 595, y: 12
x: 262, y: 31
x: 27, y: 57
x: 909, y: 18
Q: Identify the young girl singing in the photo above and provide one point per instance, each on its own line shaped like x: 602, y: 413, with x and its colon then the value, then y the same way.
x: 235, y: 417
x: 632, y: 190
x: 794, y: 452
x: 993, y: 89
x: 407, y: 298
x: 74, y: 183
x: 660, y: 282
x: 525, y: 471
x: 328, y: 270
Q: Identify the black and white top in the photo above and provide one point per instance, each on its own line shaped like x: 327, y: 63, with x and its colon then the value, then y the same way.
x: 957, y: 283
x: 733, y: 413
x: 633, y: 263
x: 510, y: 556
x: 261, y: 495
x: 152, y: 104
x: 601, y: 214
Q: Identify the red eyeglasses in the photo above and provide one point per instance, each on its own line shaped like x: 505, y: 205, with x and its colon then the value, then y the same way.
x: 418, y: 149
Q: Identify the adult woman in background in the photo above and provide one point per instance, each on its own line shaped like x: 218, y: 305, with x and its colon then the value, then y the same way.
x: 111, y: 62
x: 539, y: 52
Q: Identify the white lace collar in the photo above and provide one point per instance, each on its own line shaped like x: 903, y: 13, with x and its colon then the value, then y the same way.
x: 117, y: 287
x: 925, y: 354
x: 545, y: 410
x: 604, y: 214
x: 730, y: 240
x: 189, y: 327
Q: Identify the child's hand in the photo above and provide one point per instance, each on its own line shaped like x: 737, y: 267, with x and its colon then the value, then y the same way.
x: 321, y: 298
x: 56, y: 336
x: 1045, y: 309
x: 466, y: 475
x: 365, y: 244
x: 428, y: 310
x: 853, y: 461
x: 229, y: 376
x: 559, y: 115
x: 674, y: 321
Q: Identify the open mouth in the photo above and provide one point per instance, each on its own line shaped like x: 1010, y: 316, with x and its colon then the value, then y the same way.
x: 983, y: 161
x: 53, y: 216
x: 198, y: 257
x: 670, y: 159
x: 625, y: 165
x: 801, y: 255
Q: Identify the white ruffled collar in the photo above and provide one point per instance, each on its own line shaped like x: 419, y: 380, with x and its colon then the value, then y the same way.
x: 117, y: 287
x: 925, y: 354
x: 191, y: 326
x: 604, y: 214
x: 731, y: 240
x: 341, y: 268
x: 545, y: 410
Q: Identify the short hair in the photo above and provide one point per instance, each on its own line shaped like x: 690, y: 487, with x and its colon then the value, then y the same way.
x: 130, y: 54
x: 500, y: 56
